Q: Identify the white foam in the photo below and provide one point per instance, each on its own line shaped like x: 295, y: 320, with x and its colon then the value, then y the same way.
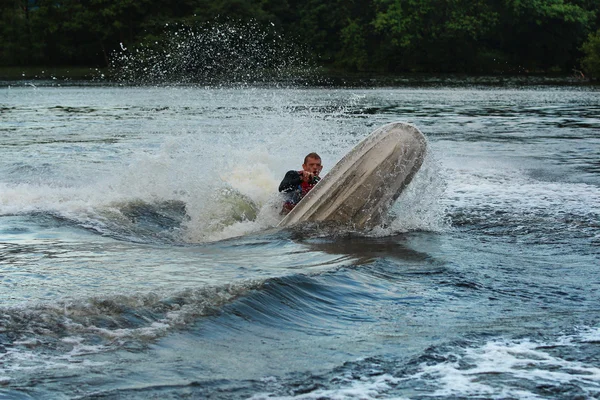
x: 506, y: 187
x: 19, y: 360
x: 364, y: 389
x: 172, y: 173
x: 591, y: 335
x: 508, y: 361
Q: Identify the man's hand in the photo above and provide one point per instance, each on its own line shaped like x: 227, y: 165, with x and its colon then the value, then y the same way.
x: 306, y: 176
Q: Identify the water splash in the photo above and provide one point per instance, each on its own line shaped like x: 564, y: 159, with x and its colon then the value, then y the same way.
x: 420, y: 207
x: 227, y: 54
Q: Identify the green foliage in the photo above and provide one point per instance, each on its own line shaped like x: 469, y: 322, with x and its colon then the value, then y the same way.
x: 545, y: 34
x: 353, y: 54
x: 14, y: 35
x: 318, y: 24
x: 353, y: 35
x: 591, y: 50
x: 434, y: 34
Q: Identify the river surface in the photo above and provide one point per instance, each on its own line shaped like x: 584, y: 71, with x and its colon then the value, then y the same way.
x: 140, y: 258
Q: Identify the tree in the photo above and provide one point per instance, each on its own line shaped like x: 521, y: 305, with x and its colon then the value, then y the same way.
x: 351, y: 35
x: 591, y: 50
x: 14, y: 32
x: 543, y: 34
x: 433, y: 35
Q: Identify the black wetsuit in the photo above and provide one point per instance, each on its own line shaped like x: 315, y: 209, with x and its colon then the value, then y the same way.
x: 295, y: 189
x: 290, y: 182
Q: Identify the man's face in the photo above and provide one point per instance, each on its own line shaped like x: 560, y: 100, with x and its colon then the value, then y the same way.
x: 313, y: 165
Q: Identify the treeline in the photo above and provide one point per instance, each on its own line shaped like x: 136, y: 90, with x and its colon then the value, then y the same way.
x: 473, y: 36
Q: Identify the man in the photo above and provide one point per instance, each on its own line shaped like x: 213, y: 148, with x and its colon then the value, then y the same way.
x: 296, y: 184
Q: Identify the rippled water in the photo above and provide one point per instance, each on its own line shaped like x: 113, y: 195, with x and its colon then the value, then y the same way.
x: 139, y: 256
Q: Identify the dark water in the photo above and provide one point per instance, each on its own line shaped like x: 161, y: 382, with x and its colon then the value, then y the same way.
x: 139, y: 256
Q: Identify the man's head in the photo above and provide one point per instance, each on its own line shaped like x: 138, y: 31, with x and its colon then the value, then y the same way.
x: 312, y: 163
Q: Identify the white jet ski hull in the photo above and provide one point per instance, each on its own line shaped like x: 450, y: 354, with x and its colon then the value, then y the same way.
x: 360, y: 189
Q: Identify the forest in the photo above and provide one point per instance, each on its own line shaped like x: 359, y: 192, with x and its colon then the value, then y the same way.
x: 382, y: 36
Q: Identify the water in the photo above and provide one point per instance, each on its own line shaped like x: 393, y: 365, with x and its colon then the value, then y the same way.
x: 139, y: 254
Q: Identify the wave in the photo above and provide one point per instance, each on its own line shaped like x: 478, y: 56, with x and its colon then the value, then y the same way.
x: 175, y: 221
x: 321, y: 300
x: 237, y: 205
x: 67, y: 334
x: 50, y: 335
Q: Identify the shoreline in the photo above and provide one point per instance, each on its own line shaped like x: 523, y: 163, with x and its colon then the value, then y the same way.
x: 45, y: 76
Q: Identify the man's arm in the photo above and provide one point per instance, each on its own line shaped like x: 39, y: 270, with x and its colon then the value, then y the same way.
x: 290, y: 181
